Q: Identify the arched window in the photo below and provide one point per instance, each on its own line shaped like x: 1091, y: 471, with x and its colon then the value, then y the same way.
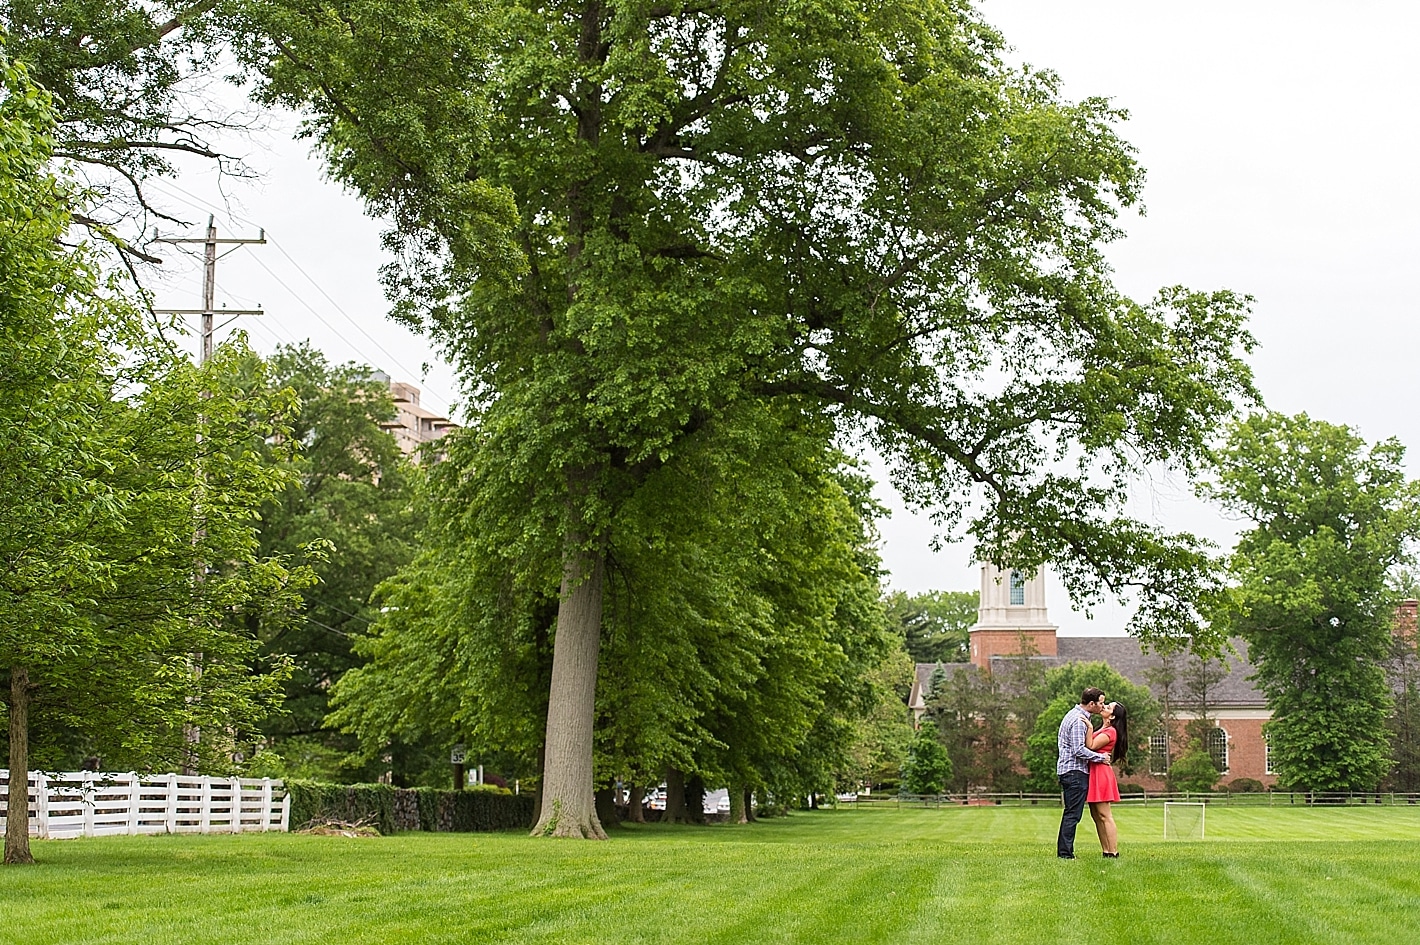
x: 1159, y: 752
x: 1217, y: 745
x: 1018, y: 589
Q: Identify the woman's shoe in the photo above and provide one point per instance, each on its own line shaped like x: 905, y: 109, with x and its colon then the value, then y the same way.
x: 1112, y: 856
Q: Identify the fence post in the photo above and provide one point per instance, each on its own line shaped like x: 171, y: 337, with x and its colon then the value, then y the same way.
x: 286, y: 810
x: 86, y: 797
x: 41, y: 803
x: 205, y: 805
x: 236, y: 805
x: 134, y: 793
x: 265, y: 804
x: 170, y: 813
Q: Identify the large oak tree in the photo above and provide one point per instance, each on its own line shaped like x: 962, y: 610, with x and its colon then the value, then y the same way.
x: 629, y: 221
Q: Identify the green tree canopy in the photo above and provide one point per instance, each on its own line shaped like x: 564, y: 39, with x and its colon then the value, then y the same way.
x: 928, y: 769
x: 749, y: 668
x: 1063, y: 686
x: 935, y: 623
x: 1332, y: 519
x: 352, y: 493
x: 632, y: 225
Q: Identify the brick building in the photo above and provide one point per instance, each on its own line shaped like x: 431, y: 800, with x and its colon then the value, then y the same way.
x: 1013, y: 624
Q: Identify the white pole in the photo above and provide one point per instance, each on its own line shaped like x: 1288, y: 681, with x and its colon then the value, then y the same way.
x: 170, y: 814
x: 205, y: 802
x: 135, y: 792
x: 42, y: 804
x: 86, y: 787
x: 236, y: 805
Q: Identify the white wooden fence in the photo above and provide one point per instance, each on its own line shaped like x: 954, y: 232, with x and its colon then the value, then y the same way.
x: 95, y: 804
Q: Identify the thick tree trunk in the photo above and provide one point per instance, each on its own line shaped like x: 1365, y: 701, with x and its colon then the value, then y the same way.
x: 675, y: 797
x: 17, y: 813
x: 749, y: 817
x: 636, y: 804
x: 739, y: 804
x: 567, y: 808
x: 695, y: 800
x: 605, y: 804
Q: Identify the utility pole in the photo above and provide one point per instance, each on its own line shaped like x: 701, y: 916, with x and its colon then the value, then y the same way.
x: 208, y: 311
x: 209, y: 284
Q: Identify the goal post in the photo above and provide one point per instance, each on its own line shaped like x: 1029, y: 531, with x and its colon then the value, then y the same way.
x: 1184, y: 820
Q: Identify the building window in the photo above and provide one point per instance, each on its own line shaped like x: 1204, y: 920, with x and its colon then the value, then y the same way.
x: 1217, y: 745
x: 1267, y: 755
x: 1159, y: 753
x: 1018, y: 589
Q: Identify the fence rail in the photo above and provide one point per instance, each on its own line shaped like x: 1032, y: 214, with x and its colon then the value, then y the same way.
x: 1219, y: 798
x: 96, y: 804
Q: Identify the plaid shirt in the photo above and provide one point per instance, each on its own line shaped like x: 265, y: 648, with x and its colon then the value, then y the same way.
x: 1073, y: 755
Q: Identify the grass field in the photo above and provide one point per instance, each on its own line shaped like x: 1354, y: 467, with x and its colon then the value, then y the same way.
x: 1302, y: 875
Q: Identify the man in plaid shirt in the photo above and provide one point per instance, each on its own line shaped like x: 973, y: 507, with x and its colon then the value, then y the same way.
x: 1072, y: 767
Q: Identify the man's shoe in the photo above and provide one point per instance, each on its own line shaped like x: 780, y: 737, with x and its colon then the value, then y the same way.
x: 1066, y: 856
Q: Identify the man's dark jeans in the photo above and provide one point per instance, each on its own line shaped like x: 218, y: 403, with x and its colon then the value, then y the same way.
x: 1076, y: 786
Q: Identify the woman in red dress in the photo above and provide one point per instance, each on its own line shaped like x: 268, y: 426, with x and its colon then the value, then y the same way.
x: 1113, y: 738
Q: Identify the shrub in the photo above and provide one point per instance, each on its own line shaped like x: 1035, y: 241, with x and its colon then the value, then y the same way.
x: 1194, y: 771
x: 1131, y: 788
x: 1246, y: 786
x: 312, y: 801
x: 928, y: 769
x: 389, y: 809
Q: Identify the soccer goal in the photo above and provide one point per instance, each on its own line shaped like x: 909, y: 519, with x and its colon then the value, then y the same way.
x: 1183, y: 820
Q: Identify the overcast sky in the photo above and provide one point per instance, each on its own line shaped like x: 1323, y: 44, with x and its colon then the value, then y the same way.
x: 1280, y: 143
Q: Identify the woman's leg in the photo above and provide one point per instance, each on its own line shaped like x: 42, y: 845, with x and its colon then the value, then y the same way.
x: 1109, y: 833
x: 1097, y: 816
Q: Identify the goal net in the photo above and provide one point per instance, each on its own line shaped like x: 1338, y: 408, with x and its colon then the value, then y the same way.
x: 1183, y: 820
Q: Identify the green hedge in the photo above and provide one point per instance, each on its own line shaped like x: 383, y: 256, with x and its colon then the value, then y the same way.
x: 391, y: 809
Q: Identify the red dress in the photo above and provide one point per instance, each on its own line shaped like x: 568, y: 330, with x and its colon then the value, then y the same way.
x: 1103, y: 785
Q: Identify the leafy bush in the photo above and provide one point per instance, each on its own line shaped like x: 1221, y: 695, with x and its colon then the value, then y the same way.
x: 1131, y: 788
x: 1246, y: 786
x: 1042, y: 749
x: 389, y: 809
x: 1194, y: 771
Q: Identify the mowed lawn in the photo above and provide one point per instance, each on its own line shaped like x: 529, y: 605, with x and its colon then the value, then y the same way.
x: 952, y: 875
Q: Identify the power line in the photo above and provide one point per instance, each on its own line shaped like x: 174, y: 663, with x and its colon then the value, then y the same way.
x: 199, y: 203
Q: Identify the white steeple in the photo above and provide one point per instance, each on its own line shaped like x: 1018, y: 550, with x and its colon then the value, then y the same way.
x: 1012, y: 599
x: 1011, y: 620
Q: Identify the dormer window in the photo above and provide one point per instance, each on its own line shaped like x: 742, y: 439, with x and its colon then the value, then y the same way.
x: 1018, y: 589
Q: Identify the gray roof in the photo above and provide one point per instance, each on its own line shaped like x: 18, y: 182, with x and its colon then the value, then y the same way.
x: 1125, y: 655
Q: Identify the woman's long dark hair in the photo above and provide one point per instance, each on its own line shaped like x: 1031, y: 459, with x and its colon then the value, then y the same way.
x: 1121, y: 732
